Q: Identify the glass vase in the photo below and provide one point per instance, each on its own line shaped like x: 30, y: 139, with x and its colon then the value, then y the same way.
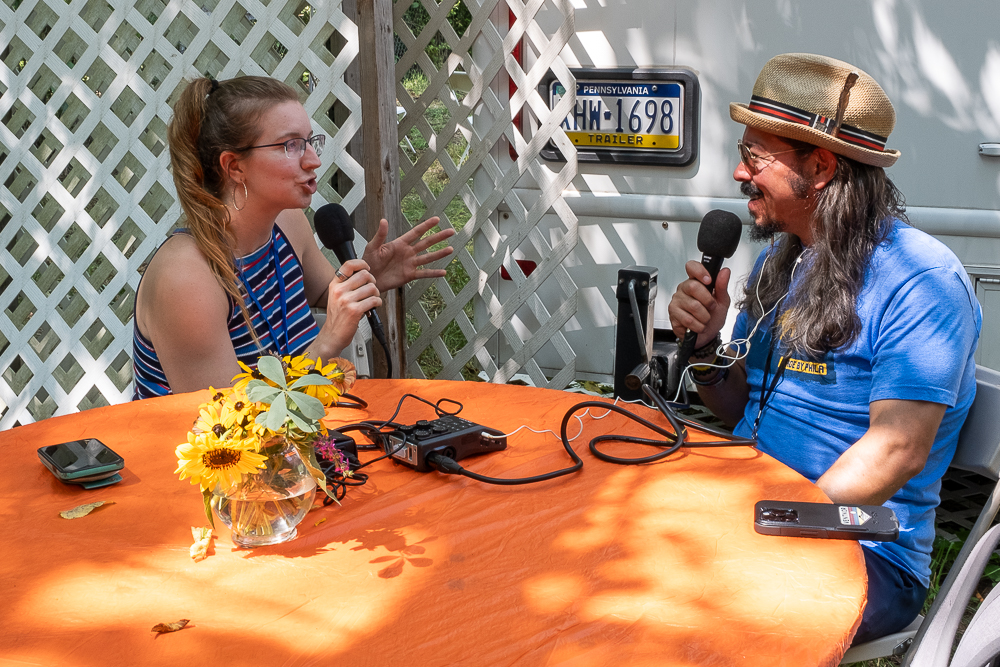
x: 265, y: 508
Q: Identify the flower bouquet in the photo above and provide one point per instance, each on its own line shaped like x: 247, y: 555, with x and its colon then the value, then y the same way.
x: 253, y: 447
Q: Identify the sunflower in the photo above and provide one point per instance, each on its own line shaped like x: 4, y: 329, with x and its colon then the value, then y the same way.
x: 208, y: 460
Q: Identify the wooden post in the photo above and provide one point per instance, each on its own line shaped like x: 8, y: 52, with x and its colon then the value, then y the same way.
x: 381, y: 156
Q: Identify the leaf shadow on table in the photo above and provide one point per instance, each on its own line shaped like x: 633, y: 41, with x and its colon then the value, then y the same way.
x: 638, y: 565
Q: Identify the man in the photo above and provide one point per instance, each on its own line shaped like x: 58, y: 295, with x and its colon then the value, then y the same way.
x: 857, y: 369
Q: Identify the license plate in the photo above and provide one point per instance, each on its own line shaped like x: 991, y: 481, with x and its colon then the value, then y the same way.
x: 632, y: 115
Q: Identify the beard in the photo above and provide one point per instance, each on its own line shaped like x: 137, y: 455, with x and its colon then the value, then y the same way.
x: 765, y: 226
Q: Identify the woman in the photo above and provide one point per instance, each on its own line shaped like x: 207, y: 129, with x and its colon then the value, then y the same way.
x: 244, y: 156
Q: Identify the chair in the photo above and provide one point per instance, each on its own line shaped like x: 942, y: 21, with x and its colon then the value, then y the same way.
x: 980, y: 643
x: 978, y: 451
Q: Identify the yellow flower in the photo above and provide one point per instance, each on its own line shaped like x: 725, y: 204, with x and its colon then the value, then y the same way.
x: 296, y: 367
x: 241, y: 380
x: 218, y: 395
x: 340, y: 379
x: 215, y: 418
x: 245, y: 412
x: 208, y: 461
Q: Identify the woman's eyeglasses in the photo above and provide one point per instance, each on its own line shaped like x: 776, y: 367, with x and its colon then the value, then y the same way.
x: 753, y: 162
x: 294, y: 148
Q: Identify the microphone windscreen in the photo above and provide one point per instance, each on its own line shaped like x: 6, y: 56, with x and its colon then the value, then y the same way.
x: 333, y: 226
x: 719, y: 234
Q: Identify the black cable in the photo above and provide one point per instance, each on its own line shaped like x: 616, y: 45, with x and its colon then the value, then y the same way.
x: 438, y: 410
x: 380, y: 337
x: 678, y: 438
x: 671, y: 440
x: 338, y: 483
x: 373, y: 429
x: 357, y: 403
x: 449, y: 466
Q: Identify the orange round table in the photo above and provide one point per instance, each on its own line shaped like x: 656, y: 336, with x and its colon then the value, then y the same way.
x: 633, y: 565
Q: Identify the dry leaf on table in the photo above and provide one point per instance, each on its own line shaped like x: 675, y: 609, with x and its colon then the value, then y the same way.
x: 84, y: 510
x: 202, y: 541
x: 319, y: 522
x: 170, y: 627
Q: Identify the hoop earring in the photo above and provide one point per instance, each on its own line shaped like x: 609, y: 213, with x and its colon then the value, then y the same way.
x: 246, y: 196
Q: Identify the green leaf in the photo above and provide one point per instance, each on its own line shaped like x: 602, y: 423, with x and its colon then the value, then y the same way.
x: 207, y: 497
x: 301, y: 421
x: 262, y: 394
x: 312, y: 378
x: 271, y: 368
x: 308, y: 455
x: 276, y: 415
x: 310, y: 406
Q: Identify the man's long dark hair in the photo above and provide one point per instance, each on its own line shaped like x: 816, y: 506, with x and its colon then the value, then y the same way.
x: 854, y: 214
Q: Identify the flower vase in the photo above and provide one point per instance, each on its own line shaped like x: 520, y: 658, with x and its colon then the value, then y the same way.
x: 265, y: 508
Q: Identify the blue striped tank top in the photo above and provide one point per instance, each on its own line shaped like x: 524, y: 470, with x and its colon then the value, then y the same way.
x: 284, y: 325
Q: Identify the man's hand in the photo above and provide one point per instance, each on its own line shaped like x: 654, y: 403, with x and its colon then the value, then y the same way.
x: 396, y: 263
x: 694, y: 307
x: 894, y: 449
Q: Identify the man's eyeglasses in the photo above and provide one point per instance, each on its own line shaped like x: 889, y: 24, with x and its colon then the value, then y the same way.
x: 294, y: 148
x: 753, y: 162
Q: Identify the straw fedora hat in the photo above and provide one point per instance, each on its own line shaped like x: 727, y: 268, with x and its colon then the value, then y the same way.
x: 824, y: 102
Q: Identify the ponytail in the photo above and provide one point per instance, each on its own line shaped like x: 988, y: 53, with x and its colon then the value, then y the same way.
x: 210, y: 118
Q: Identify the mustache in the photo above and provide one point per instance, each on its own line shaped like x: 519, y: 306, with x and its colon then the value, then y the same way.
x: 750, y: 190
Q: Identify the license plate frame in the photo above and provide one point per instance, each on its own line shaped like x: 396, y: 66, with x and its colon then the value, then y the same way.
x: 613, y: 99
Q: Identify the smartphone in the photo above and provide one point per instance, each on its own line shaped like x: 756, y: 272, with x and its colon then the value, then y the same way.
x: 89, y: 463
x: 828, y: 521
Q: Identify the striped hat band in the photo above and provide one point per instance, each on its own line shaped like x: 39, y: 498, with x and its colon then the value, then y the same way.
x: 788, y: 113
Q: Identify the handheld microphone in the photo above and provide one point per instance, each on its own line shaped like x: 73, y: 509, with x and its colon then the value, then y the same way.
x: 718, y: 237
x: 336, y: 232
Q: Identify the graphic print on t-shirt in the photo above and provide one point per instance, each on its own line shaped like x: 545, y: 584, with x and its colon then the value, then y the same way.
x: 821, y: 371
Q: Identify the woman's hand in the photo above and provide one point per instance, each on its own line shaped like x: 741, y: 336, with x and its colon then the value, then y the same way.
x: 398, y: 262
x: 351, y: 294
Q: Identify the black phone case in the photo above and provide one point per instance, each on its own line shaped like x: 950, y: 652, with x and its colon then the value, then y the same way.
x: 92, y: 462
x: 826, y: 521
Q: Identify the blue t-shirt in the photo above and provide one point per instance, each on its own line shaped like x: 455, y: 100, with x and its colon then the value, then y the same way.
x: 920, y: 326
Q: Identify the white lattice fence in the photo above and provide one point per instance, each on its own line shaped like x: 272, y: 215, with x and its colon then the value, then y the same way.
x: 85, y: 93
x: 467, y: 172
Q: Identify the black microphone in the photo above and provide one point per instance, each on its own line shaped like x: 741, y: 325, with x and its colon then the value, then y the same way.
x: 718, y: 237
x: 336, y: 231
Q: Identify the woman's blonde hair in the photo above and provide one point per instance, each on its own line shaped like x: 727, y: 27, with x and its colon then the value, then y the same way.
x: 212, y: 117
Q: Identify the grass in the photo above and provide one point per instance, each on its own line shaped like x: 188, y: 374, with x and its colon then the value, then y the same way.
x: 415, y: 210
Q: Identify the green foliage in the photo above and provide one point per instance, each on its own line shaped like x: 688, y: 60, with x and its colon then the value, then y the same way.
x: 287, y: 402
x: 415, y: 210
x: 416, y: 18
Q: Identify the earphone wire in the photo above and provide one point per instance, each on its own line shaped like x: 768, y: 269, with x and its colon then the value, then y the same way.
x: 742, y: 345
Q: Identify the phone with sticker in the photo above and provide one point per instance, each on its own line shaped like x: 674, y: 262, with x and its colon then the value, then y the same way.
x: 826, y: 521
